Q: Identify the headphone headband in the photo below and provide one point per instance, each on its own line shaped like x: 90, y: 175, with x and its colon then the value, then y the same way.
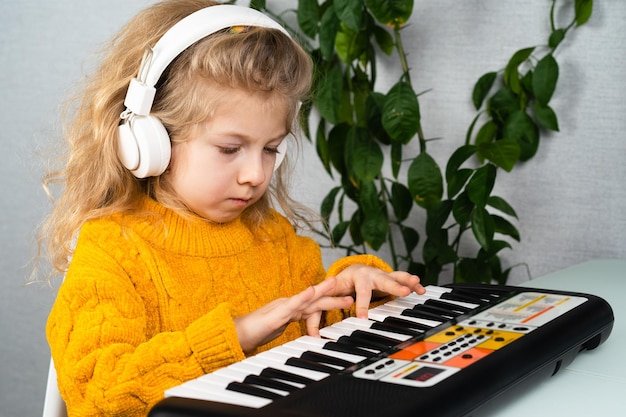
x: 144, y: 145
x: 179, y: 37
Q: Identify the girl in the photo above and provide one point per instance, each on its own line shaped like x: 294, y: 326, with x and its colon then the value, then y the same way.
x: 181, y: 265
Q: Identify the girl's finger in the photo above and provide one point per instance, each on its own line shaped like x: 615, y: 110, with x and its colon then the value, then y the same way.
x: 313, y: 324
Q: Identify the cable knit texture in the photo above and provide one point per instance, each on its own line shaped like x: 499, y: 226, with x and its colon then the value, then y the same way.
x: 149, y: 299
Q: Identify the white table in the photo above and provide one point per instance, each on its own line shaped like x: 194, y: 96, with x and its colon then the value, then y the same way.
x: 594, y: 384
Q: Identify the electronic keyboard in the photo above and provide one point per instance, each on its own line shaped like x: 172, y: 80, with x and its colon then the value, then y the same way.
x: 448, y: 352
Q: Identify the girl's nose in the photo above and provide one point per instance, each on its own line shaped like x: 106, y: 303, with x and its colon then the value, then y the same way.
x: 252, y: 170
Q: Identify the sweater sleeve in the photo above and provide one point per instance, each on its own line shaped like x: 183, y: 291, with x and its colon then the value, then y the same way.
x: 107, y: 345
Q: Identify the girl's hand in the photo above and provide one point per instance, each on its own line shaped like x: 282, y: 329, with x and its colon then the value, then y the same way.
x: 268, y: 322
x: 364, y: 282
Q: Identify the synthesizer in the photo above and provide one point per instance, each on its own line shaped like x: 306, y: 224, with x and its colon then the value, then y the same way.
x: 448, y: 352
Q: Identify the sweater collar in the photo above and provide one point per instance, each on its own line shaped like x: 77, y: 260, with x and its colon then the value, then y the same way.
x: 190, y: 235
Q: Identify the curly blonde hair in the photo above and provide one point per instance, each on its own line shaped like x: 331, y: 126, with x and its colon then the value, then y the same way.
x: 95, y: 183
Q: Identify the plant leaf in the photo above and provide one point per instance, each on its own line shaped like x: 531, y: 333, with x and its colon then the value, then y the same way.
x: 520, y: 127
x: 511, y: 72
x: 583, y: 11
x: 350, y: 44
x: 482, y: 227
x: 546, y: 117
x: 504, y: 227
x: 321, y: 146
x: 502, y: 104
x: 363, y: 155
x: 328, y: 95
x: 355, y: 227
x: 411, y: 238
x: 473, y: 271
x: 396, y: 158
x: 329, y: 203
x: 458, y: 180
x: 329, y: 26
x: 457, y: 159
x: 425, y: 181
x: 462, y: 209
x: 374, y: 104
x: 258, y: 4
x: 495, y: 247
x: 393, y: 13
x: 545, y: 77
x: 383, y: 39
x: 349, y: 13
x: 556, y: 37
x: 482, y: 87
x: 337, y: 145
x: 481, y: 184
x: 339, y: 231
x: 401, y: 201
x: 308, y: 17
x: 504, y: 153
x: 400, y: 114
x: 486, y: 133
x: 437, y: 216
x: 375, y: 223
x: 500, y: 204
x: 368, y: 199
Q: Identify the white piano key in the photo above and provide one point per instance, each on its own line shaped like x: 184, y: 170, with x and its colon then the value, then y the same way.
x: 252, y: 368
x: 198, y: 390
x: 435, y: 289
x: 333, y: 333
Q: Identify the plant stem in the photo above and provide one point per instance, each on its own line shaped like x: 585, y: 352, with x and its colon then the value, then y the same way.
x: 392, y: 248
x: 407, y: 76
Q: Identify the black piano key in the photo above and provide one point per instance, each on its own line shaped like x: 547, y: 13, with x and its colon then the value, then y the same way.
x: 388, y: 327
x: 448, y: 306
x: 252, y: 390
x: 321, y: 358
x: 396, y: 321
x: 349, y: 348
x: 372, y: 340
x: 362, y: 344
x: 312, y: 365
x: 286, y: 376
x: 421, y: 314
x: 454, y: 296
x: 443, y: 313
x: 269, y: 383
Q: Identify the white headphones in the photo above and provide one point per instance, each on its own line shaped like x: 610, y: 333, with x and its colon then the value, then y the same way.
x: 144, y: 146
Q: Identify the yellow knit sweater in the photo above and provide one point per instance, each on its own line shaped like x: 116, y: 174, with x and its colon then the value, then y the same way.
x: 149, y: 299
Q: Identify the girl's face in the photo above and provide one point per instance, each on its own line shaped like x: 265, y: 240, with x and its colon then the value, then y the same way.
x: 226, y: 163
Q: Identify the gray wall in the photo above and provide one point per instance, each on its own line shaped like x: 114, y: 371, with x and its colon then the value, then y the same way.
x: 571, y: 198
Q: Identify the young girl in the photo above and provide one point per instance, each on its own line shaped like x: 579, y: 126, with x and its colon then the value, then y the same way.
x: 175, y: 262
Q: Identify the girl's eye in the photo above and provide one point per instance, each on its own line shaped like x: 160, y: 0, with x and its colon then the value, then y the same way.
x: 229, y: 151
x: 271, y: 149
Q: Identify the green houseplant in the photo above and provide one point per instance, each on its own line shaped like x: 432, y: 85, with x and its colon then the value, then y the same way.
x: 363, y: 134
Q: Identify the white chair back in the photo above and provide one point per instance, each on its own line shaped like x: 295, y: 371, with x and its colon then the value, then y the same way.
x: 53, y: 405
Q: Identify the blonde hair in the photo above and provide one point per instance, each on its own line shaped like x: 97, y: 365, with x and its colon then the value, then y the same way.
x: 257, y: 60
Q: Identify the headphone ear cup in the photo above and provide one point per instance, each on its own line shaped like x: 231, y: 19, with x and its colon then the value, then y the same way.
x: 280, y: 155
x: 144, y: 146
